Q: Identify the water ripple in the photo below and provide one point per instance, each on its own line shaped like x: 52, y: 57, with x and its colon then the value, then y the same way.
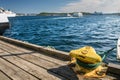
x: 65, y: 33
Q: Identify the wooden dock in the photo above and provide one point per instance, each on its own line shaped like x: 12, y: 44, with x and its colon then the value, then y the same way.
x: 17, y: 63
x: 23, y: 61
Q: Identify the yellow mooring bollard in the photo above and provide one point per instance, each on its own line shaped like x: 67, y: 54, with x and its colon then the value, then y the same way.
x: 87, y: 61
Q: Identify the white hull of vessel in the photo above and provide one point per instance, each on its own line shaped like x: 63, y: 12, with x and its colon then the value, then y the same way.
x: 4, y: 21
x: 118, y: 49
x: 77, y: 14
x: 4, y: 17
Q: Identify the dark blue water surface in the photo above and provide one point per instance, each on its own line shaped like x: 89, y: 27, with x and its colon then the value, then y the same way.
x: 68, y: 33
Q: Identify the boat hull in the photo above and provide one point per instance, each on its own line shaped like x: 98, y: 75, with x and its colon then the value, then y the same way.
x: 118, y: 49
x: 3, y: 27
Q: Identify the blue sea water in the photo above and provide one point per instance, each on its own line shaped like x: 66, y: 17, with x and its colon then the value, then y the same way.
x: 68, y: 33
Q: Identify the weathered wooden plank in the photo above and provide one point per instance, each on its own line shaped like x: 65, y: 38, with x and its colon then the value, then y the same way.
x: 43, y: 62
x: 3, y: 76
x: 59, y: 54
x: 22, y: 64
x: 48, y: 62
x: 114, y: 68
x: 14, y: 72
x: 64, y: 71
x: 48, y: 58
x: 33, y: 69
x: 1, y: 51
x: 56, y: 61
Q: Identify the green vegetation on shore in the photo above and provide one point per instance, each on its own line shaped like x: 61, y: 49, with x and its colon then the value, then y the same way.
x: 50, y: 14
x: 60, y: 14
x: 64, y: 14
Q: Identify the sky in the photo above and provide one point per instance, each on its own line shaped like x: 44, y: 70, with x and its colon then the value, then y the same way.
x: 37, y: 6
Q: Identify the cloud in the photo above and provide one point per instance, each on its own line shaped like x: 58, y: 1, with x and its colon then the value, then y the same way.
x: 106, y: 6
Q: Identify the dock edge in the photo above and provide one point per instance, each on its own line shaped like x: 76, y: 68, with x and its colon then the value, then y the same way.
x: 51, y: 52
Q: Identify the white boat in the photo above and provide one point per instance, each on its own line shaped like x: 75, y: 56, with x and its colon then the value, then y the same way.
x: 4, y: 21
x: 69, y: 15
x: 4, y: 14
x: 118, y: 49
x: 77, y: 14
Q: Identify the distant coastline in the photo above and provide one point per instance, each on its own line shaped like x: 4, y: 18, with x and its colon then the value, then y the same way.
x: 63, y: 14
x: 84, y: 13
